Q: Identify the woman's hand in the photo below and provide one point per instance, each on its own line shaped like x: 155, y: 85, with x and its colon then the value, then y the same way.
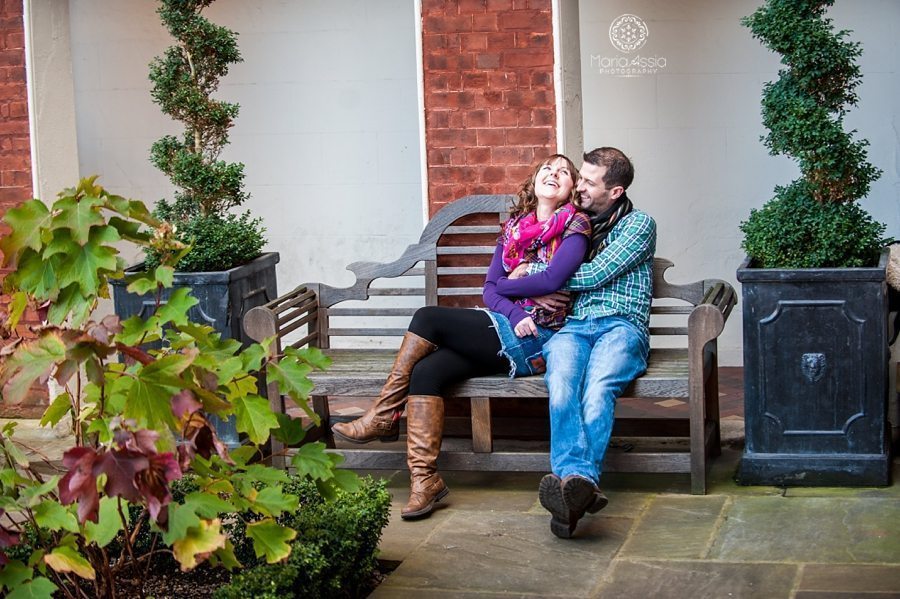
x: 519, y: 272
x: 525, y: 327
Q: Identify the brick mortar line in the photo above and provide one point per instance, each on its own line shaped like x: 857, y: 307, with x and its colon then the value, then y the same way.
x: 798, y: 576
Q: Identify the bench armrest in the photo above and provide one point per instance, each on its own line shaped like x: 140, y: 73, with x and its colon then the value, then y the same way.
x: 707, y: 320
x: 284, y: 315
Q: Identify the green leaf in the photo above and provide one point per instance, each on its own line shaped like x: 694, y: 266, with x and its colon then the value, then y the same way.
x: 270, y: 539
x: 291, y: 376
x: 311, y: 355
x: 165, y: 275
x: 347, y: 480
x: 141, y: 284
x: 52, y: 515
x: 207, y: 505
x: 15, y: 453
x: 33, y: 493
x: 26, y: 222
x: 78, y: 215
x: 85, y: 265
x: 70, y: 304
x: 255, y: 418
x: 312, y: 460
x: 14, y: 573
x: 152, y: 389
x: 252, y: 357
x: 181, y: 518
x: 202, y: 539
x: 17, y: 305
x: 176, y: 308
x: 59, y: 408
x: 39, y: 588
x: 108, y: 524
x: 266, y: 475
x: 67, y: 559
x: 272, y: 501
x: 290, y: 431
x: 225, y: 557
x: 243, y: 454
x: 30, y: 361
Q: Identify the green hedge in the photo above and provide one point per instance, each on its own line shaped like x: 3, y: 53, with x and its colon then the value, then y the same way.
x: 333, y: 554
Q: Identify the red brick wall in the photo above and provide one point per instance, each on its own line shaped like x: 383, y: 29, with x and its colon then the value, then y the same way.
x: 15, y: 149
x: 489, y: 98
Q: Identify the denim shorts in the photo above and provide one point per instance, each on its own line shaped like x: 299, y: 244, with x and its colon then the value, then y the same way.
x: 525, y: 354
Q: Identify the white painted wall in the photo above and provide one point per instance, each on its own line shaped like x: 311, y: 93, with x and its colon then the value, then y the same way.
x: 693, y: 128
x: 328, y: 128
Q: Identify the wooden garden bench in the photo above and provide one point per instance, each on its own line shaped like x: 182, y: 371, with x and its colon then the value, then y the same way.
x: 447, y: 267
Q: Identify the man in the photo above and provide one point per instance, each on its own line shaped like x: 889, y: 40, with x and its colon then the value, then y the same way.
x: 604, y: 343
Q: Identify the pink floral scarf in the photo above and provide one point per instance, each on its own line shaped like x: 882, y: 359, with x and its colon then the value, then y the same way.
x: 525, y: 239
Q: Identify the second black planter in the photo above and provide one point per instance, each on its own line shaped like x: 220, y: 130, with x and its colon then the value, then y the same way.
x: 815, y: 376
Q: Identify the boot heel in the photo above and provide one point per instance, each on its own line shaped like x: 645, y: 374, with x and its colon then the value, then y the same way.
x: 389, y: 438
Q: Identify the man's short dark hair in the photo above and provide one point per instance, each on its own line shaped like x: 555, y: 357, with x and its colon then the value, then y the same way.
x: 619, y: 170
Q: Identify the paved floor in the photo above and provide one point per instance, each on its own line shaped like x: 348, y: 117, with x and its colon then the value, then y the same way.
x: 491, y: 538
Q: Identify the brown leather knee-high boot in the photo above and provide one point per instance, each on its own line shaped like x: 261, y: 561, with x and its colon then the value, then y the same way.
x: 382, y: 420
x: 424, y: 429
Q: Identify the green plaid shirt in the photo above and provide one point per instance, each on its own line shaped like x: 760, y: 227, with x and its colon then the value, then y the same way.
x: 619, y: 280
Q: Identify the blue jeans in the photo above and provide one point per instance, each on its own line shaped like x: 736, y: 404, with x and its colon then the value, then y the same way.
x: 589, y: 364
x: 525, y: 354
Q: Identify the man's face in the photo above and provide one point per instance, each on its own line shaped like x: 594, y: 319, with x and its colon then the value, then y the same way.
x: 593, y: 194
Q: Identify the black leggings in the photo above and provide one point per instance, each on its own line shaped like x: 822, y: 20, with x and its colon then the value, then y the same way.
x: 467, y: 344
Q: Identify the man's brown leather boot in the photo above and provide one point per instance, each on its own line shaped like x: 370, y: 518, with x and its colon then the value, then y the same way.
x: 424, y: 429
x: 382, y: 420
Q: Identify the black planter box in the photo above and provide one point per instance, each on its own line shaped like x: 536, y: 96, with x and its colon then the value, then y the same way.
x: 815, y: 376
x: 224, y: 297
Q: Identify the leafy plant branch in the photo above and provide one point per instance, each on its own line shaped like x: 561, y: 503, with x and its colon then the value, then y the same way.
x: 141, y: 424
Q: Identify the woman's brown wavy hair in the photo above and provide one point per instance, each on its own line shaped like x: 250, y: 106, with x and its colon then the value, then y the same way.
x: 527, y: 201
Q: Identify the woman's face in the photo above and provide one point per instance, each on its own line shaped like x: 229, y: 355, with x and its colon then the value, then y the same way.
x: 554, y: 181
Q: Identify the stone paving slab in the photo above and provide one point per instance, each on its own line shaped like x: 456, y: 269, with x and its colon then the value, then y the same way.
x: 851, y: 578
x: 509, y: 553
x: 682, y: 579
x: 674, y: 527
x: 796, y: 529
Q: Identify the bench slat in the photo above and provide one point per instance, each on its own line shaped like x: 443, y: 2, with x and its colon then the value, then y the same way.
x: 371, y: 311
x: 519, y: 461
x: 395, y: 291
x: 367, y: 333
x: 452, y: 250
x: 362, y: 372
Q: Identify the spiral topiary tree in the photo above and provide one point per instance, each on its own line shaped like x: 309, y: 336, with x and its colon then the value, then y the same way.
x: 184, y: 80
x: 815, y: 221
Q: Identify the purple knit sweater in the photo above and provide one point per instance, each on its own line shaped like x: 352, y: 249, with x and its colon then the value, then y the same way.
x: 500, y: 291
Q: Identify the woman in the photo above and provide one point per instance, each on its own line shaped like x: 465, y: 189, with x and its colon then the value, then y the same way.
x: 446, y: 345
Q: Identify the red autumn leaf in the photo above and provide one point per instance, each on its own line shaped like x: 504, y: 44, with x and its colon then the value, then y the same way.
x: 121, y: 467
x: 8, y: 538
x: 143, y: 441
x: 153, y: 482
x: 201, y: 438
x: 80, y: 482
x: 106, y: 328
x: 184, y: 403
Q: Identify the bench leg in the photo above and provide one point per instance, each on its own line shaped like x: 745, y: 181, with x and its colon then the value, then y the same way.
x: 482, y: 439
x: 320, y: 407
x: 699, y: 455
x: 711, y: 392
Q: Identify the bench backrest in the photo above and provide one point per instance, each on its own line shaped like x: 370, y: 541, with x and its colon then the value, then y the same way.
x: 446, y: 267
